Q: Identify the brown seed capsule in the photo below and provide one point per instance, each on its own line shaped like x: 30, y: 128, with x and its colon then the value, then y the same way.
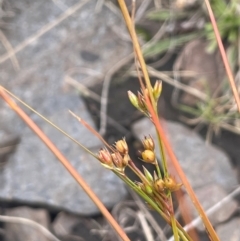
x: 159, y: 185
x: 148, y: 156
x: 122, y: 146
x: 126, y: 159
x: 171, y: 184
x: 141, y: 102
x: 117, y: 160
x: 105, y: 157
x: 148, y: 143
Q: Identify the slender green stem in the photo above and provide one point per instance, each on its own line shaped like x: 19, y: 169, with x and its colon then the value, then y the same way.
x: 183, y: 237
x: 174, y: 227
x: 163, y: 155
x: 158, y: 169
x: 139, y: 54
x: 51, y: 123
x: 182, y: 233
x: 173, y: 220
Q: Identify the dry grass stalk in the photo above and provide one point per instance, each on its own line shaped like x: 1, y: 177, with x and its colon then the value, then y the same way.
x: 223, y: 54
x: 65, y: 163
x: 45, y: 231
x: 162, y: 137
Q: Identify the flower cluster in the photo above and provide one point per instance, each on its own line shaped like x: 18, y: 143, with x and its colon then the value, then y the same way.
x: 117, y: 158
x: 139, y: 101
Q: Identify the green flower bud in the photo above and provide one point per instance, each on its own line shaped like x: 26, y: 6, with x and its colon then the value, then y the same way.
x: 157, y: 89
x: 147, y: 174
x: 133, y: 99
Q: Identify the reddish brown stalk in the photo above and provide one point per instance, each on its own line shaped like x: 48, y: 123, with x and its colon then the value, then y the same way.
x: 223, y: 54
x: 137, y: 172
x: 181, y: 174
x: 65, y: 163
x: 84, y: 123
x: 184, y: 209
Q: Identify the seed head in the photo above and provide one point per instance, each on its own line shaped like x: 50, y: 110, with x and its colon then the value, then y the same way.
x: 171, y: 184
x: 122, y: 146
x: 148, y: 156
x: 118, y: 161
x: 148, y: 143
x: 159, y: 185
x: 126, y: 159
x: 105, y: 157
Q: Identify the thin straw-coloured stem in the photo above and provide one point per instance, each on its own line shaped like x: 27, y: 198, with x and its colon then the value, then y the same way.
x: 65, y: 163
x: 159, y: 128
x: 142, y: 63
x: 223, y: 54
x: 182, y: 175
x: 49, y: 122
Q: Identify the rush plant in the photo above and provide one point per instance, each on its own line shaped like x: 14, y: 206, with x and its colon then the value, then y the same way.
x: 155, y: 188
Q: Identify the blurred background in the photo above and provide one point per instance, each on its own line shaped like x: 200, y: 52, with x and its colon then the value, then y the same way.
x: 59, y: 55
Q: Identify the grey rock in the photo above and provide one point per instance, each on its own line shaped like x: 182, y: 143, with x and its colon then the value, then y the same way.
x: 229, y: 231
x: 203, y: 164
x: 8, y: 143
x: 22, y: 231
x: 209, y: 74
x: 32, y: 174
x: 209, y: 196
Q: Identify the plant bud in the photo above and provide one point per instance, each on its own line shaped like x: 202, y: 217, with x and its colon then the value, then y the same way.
x: 171, y: 184
x: 126, y: 159
x: 122, y: 146
x: 157, y: 89
x: 148, y: 156
x: 105, y: 157
x: 141, y: 102
x: 159, y: 185
x: 148, y: 143
x: 147, y: 174
x: 133, y: 99
x: 148, y: 189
